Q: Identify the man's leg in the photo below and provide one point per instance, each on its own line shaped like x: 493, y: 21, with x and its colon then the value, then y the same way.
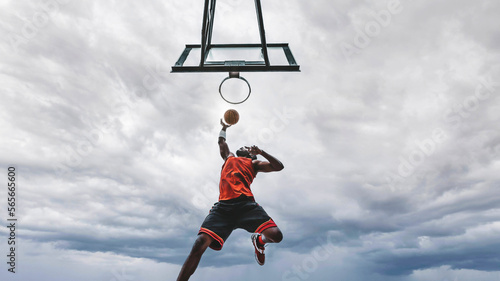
x: 191, y: 263
x: 272, y: 235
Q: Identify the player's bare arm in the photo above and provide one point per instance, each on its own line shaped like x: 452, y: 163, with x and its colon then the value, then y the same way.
x: 223, y: 147
x: 271, y: 165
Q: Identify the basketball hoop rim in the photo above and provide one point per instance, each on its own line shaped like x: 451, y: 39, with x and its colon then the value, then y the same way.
x: 234, y: 76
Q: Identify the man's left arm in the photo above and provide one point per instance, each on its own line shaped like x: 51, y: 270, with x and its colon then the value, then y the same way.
x: 271, y: 165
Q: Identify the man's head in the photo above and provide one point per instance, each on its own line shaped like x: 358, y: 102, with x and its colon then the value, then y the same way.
x: 244, y: 152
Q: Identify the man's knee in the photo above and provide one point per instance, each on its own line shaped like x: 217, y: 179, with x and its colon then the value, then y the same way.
x: 274, y: 234
x: 279, y: 236
x: 201, y: 243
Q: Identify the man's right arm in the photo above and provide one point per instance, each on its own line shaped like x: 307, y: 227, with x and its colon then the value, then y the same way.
x: 223, y: 147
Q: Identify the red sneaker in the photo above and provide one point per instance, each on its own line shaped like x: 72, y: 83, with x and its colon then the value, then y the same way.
x: 259, y: 249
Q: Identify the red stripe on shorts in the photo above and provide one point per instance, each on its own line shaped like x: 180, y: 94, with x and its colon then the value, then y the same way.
x: 214, y: 236
x: 268, y: 224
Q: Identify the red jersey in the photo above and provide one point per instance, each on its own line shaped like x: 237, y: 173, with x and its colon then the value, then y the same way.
x: 236, y: 176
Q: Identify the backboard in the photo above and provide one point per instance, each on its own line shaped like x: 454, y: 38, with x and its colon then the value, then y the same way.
x: 236, y: 58
x: 208, y: 57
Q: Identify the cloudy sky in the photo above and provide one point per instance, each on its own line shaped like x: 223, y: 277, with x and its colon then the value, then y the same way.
x: 389, y: 137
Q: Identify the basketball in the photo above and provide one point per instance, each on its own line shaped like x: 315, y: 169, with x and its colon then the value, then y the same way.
x: 231, y: 116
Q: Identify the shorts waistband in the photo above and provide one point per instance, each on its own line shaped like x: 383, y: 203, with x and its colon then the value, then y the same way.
x: 241, y: 198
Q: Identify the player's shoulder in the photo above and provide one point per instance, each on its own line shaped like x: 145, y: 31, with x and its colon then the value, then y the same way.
x: 256, y: 166
x: 256, y: 163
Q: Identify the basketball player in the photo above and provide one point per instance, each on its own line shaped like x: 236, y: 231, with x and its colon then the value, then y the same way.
x: 236, y: 207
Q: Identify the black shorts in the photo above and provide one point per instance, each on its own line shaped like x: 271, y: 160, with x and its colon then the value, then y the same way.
x: 225, y: 216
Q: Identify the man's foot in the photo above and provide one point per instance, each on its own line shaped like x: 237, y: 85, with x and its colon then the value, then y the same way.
x: 259, y: 248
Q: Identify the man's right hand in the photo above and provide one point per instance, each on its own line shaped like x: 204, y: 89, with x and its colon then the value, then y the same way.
x: 224, y: 125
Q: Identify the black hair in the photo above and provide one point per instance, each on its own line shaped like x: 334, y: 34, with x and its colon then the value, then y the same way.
x: 244, y: 153
x: 240, y: 153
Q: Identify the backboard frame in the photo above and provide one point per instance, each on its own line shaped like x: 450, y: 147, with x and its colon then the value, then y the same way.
x: 236, y: 65
x: 206, y: 47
